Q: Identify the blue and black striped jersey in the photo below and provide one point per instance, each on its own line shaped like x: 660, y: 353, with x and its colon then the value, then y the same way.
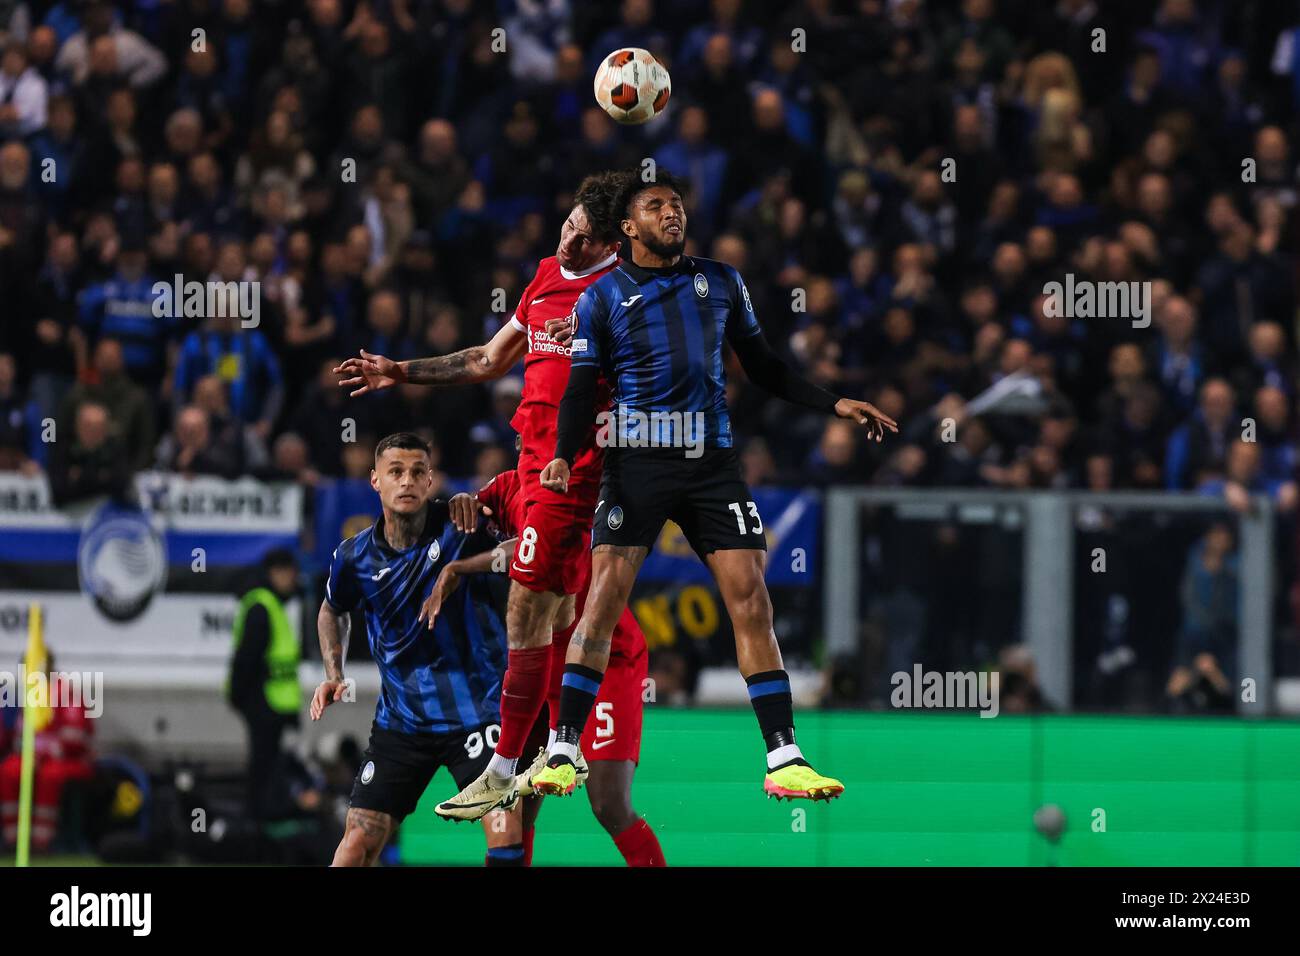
x: 442, y: 681
x: 657, y: 335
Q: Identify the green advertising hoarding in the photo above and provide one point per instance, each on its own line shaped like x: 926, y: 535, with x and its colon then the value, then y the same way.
x: 937, y: 790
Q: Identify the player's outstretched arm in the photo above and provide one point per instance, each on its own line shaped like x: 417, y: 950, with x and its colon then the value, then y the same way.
x: 334, y: 628
x: 864, y: 413
x: 768, y: 371
x: 479, y: 363
x: 369, y: 373
x: 449, y: 577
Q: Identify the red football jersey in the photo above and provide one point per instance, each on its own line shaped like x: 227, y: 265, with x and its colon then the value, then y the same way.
x: 552, y: 294
x: 502, y: 495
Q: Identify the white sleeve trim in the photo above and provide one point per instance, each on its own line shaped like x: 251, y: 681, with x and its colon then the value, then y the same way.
x: 517, y: 325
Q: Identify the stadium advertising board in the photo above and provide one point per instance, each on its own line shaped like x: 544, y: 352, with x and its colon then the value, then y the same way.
x: 155, y: 577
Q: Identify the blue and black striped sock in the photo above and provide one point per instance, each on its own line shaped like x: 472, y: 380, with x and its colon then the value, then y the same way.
x: 769, y: 692
x: 578, y: 690
x: 512, y: 855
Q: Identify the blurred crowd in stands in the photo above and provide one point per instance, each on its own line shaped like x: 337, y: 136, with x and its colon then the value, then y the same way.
x: 898, y: 181
x: 211, y: 139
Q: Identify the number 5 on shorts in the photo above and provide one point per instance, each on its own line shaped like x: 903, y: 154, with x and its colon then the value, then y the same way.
x: 605, y: 718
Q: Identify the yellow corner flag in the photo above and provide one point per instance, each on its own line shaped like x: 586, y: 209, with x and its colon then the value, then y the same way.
x: 37, y: 713
x: 36, y: 701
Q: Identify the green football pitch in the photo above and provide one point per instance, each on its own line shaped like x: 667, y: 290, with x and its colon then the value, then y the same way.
x: 936, y: 790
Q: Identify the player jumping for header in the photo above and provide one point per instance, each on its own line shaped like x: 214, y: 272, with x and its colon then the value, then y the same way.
x: 655, y: 327
x: 547, y: 569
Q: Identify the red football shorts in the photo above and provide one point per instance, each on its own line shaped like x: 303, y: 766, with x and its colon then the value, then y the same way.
x: 551, y: 548
x: 552, y: 551
x: 613, y: 730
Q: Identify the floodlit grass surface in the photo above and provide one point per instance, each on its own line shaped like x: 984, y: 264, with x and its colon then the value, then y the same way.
x: 937, y: 790
x: 928, y: 790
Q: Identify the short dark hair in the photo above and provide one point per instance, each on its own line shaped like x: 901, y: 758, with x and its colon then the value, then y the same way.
x: 598, y: 195
x: 404, y: 440
x: 634, y: 186
x: 279, y: 558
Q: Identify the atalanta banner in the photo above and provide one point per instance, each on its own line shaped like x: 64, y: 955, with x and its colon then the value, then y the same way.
x: 156, y: 577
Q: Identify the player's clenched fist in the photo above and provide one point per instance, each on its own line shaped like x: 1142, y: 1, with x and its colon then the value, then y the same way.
x: 555, y: 476
x: 864, y: 413
x: 560, y: 329
x: 327, y: 692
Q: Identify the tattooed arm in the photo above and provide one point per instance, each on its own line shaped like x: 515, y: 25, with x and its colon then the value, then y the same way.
x: 334, y: 628
x: 479, y: 363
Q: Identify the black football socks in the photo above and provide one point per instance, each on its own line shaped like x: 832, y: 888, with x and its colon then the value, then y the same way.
x: 578, y: 691
x: 769, y: 692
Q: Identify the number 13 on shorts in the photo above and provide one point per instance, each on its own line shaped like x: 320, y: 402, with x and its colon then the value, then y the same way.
x: 740, y: 518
